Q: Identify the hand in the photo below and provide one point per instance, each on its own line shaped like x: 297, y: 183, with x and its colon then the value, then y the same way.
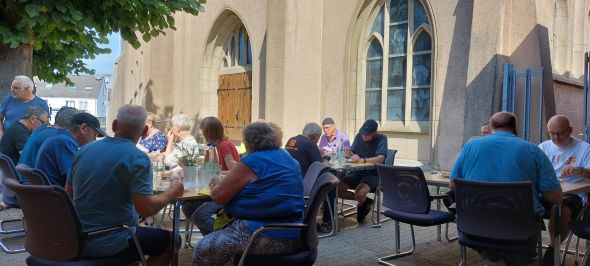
x: 569, y: 170
x: 176, y: 187
x: 355, y: 158
x: 170, y: 136
x: 216, y: 180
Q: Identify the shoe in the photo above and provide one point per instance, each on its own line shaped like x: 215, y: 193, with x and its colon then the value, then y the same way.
x: 324, y: 227
x: 3, y: 206
x: 548, y: 257
x: 363, y: 210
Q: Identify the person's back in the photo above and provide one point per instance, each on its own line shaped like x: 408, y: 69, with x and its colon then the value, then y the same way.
x: 55, y: 157
x: 304, y: 150
x: 14, y: 140
x: 28, y: 156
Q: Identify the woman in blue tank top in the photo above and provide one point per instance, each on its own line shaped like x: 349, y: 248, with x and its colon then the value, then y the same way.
x: 265, y: 187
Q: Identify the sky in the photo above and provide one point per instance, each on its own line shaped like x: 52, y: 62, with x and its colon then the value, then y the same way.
x: 105, y: 63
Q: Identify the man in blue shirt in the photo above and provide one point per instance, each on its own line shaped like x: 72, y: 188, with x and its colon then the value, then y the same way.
x: 57, y: 153
x: 22, y: 98
x: 504, y: 157
x: 111, y: 183
x: 303, y: 148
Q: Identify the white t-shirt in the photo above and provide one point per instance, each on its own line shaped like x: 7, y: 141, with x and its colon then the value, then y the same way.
x: 188, y: 143
x: 576, y: 154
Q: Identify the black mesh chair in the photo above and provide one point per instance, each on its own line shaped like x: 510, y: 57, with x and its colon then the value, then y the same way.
x: 497, y: 216
x: 9, y: 172
x: 33, y: 176
x: 581, y: 229
x: 308, y: 252
x: 376, y: 214
x: 406, y: 195
x: 53, y: 245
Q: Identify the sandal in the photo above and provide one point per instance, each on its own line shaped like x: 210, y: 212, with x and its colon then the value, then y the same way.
x: 3, y: 206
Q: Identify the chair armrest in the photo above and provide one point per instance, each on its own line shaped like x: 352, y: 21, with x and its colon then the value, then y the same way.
x: 284, y: 226
x: 439, y: 196
x: 121, y: 227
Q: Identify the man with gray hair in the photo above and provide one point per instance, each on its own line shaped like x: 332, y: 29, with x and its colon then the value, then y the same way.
x: 62, y: 120
x: 303, y: 148
x: 22, y: 98
x: 111, y: 183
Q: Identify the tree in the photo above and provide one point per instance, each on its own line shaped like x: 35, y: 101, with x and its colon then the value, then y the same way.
x: 49, y: 38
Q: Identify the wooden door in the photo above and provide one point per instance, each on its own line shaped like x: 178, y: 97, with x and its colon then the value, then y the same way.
x: 234, y: 101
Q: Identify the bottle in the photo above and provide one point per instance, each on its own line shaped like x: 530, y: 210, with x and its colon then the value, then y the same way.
x: 211, y: 165
x: 341, y: 155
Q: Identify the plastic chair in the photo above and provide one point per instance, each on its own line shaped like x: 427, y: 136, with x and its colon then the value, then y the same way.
x: 496, y: 216
x: 307, y: 254
x: 406, y: 195
x: 9, y: 172
x: 60, y: 245
x: 34, y: 176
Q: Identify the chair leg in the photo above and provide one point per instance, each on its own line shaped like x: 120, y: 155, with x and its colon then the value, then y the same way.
x: 9, y: 250
x: 463, y: 256
x: 447, y: 234
x: 334, y: 224
x: 397, y: 253
x: 161, y: 224
x: 3, y: 230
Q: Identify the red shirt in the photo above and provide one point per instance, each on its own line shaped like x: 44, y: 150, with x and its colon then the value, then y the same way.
x: 226, y: 147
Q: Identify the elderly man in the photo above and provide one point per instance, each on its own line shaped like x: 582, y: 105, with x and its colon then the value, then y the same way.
x: 303, y: 148
x: 13, y: 106
x: 57, y: 153
x: 368, y: 147
x: 111, y: 183
x: 62, y: 119
x: 16, y: 136
x: 333, y: 139
x: 514, y: 160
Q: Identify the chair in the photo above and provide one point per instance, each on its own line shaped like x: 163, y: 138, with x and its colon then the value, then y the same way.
x: 60, y: 245
x: 581, y: 229
x: 406, y: 195
x: 497, y: 216
x: 34, y: 176
x: 309, y: 236
x: 376, y: 213
x: 9, y: 172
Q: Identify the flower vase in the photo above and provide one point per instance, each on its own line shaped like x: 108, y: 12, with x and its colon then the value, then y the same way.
x: 190, y: 176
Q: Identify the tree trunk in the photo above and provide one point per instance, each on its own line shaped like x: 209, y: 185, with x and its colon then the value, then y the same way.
x: 14, y: 62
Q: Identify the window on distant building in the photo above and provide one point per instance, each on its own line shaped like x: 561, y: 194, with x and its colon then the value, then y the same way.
x: 399, y: 63
x: 72, y: 88
x: 48, y: 86
x: 88, y: 88
x: 71, y: 104
x: 83, y: 105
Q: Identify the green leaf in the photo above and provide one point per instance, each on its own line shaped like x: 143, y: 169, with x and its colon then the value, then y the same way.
x: 146, y: 37
x: 32, y: 10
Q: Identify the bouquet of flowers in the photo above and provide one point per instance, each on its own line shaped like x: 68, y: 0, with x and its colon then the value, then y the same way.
x: 188, y: 155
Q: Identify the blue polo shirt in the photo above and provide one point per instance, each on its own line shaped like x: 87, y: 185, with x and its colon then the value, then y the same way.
x: 13, y: 109
x: 504, y: 157
x: 105, y: 175
x: 55, y: 157
x: 28, y: 156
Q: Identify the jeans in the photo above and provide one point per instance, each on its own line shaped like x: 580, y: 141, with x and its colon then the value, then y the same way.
x: 202, y: 216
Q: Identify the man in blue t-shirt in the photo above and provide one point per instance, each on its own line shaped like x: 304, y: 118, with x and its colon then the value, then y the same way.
x: 57, y: 153
x: 303, y: 148
x: 22, y: 98
x: 368, y: 147
x: 111, y: 183
x: 504, y: 157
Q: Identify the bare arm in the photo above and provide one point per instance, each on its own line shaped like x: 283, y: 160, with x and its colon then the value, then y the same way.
x: 230, y: 163
x: 223, y: 191
x: 553, y: 197
x: 148, y: 205
x: 577, y: 170
x: 377, y: 159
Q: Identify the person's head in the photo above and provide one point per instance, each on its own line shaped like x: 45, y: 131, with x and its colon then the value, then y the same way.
x: 329, y: 127
x: 485, y: 129
x: 85, y: 128
x: 262, y: 136
x: 560, y: 130
x: 313, y: 131
x: 64, y: 116
x: 34, y: 117
x: 181, y: 123
x: 503, y: 121
x: 212, y: 129
x: 151, y: 120
x: 130, y: 122
x: 22, y: 88
x: 369, y: 130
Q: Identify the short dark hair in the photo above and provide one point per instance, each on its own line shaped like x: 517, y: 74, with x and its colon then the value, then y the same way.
x: 261, y: 136
x: 34, y: 111
x: 64, y: 116
x: 212, y: 129
x: 503, y: 120
x: 328, y: 121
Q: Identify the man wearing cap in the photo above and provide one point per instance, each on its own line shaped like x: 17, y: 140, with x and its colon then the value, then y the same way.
x: 333, y: 138
x: 57, y: 153
x: 368, y: 147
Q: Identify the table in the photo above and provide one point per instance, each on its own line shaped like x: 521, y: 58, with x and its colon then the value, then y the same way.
x: 190, y: 194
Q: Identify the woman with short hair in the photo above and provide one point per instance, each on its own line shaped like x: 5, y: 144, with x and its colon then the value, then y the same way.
x: 181, y: 126
x: 155, y: 140
x: 265, y: 187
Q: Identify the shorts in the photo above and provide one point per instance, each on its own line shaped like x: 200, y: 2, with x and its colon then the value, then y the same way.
x: 153, y: 241
x: 572, y: 201
x: 355, y: 179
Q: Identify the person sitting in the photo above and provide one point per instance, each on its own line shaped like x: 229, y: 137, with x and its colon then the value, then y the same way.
x: 111, y: 183
x: 15, y: 137
x: 304, y: 148
x: 181, y: 126
x: 368, y: 147
x: 155, y: 141
x: 62, y: 119
x: 333, y: 139
x: 57, y: 153
x: 514, y: 159
x: 201, y: 213
x: 265, y: 187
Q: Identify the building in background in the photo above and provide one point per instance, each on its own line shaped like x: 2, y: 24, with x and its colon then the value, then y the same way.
x: 88, y: 93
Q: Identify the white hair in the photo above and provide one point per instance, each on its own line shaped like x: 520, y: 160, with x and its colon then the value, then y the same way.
x: 24, y: 80
x: 181, y: 121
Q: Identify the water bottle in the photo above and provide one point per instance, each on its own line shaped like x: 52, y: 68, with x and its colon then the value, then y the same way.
x: 158, y: 168
x: 211, y: 165
x: 341, y: 155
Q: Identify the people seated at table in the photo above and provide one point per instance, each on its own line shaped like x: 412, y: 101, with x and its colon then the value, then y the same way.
x: 15, y: 137
x: 201, y: 212
x: 181, y: 126
x: 111, y: 183
x: 63, y: 117
x: 505, y: 157
x: 303, y: 147
x: 333, y: 139
x: 265, y: 187
x: 155, y: 141
x: 57, y: 153
x: 368, y: 147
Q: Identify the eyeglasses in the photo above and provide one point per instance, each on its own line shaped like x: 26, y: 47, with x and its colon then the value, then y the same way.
x: 17, y: 88
x: 41, y: 120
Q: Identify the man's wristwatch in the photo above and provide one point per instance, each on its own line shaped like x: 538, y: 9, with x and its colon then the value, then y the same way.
x: 364, y: 160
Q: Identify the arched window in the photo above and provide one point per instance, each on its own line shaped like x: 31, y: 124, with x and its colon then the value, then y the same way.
x: 238, y: 52
x: 404, y: 58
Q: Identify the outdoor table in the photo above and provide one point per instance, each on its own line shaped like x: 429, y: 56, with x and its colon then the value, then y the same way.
x: 190, y: 194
